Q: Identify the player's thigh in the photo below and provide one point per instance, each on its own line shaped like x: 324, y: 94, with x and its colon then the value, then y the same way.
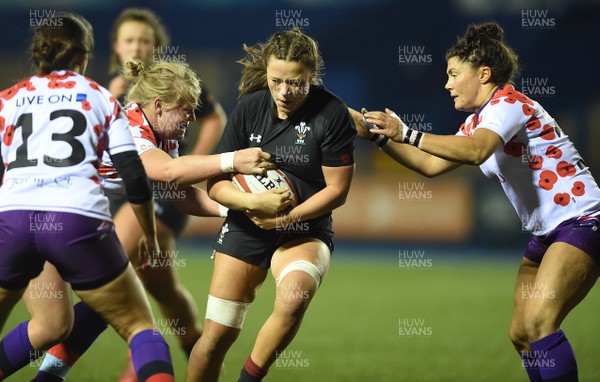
x: 48, y: 298
x: 564, y: 278
x: 309, y: 249
x: 234, y: 279
x: 525, y: 278
x: 122, y: 303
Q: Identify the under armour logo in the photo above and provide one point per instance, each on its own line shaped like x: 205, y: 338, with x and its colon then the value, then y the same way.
x: 258, y: 138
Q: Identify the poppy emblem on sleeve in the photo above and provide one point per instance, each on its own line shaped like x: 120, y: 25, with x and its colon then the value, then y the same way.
x: 514, y: 148
x: 548, y: 133
x: 562, y: 199
x: 578, y: 188
x: 553, y: 152
x: 564, y: 169
x: 536, y: 162
x: 547, y: 179
x: 533, y: 123
x: 528, y: 110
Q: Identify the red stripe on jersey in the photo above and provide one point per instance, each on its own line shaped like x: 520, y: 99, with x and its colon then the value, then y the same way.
x: 105, y: 170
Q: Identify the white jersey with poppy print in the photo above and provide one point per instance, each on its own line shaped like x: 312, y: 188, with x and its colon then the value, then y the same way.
x: 53, y: 130
x: 538, y: 167
x: 144, y: 139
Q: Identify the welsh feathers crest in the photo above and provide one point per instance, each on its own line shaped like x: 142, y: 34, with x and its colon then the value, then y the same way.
x: 301, y: 130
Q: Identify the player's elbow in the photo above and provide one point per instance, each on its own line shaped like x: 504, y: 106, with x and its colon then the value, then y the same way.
x: 340, y: 198
x: 479, y: 158
x: 430, y: 174
x: 477, y: 155
x: 169, y: 173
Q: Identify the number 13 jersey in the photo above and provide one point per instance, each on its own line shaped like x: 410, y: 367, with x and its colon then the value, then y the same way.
x: 53, y: 130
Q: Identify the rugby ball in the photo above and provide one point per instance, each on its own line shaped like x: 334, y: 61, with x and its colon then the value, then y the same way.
x: 261, y: 183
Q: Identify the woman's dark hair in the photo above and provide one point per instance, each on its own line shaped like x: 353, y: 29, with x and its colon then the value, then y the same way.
x: 483, y: 45
x: 288, y: 45
x: 61, y: 42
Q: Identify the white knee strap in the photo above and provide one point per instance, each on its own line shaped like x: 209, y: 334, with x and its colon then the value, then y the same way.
x: 304, y: 266
x: 226, y: 312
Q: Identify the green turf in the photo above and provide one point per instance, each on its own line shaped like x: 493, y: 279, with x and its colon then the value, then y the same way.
x: 352, y: 332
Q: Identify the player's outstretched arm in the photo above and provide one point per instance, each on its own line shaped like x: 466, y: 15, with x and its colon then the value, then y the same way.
x: 460, y: 149
x: 192, y: 169
x: 408, y: 156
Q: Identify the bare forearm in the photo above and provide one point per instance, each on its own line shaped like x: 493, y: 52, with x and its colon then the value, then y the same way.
x: 222, y: 191
x: 418, y: 160
x: 188, y: 170
x: 145, y: 215
x: 455, y: 148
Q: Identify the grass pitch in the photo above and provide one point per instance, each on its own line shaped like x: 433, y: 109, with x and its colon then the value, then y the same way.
x: 375, y: 318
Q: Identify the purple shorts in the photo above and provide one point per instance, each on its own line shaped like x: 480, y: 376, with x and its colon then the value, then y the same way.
x: 583, y: 233
x: 85, y: 251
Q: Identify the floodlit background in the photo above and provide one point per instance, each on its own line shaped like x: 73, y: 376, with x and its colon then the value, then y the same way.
x: 384, y: 53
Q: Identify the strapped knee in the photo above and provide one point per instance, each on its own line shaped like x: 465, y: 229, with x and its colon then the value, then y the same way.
x: 304, y: 266
x: 226, y: 312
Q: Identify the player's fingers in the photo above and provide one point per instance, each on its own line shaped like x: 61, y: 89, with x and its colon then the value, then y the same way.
x: 284, y: 205
x: 380, y: 122
x: 379, y: 131
x: 265, y: 155
x: 375, y: 114
x: 259, y: 170
x: 389, y: 111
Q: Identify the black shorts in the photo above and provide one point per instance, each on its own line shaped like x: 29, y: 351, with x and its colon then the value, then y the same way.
x: 242, y: 239
x: 164, y: 211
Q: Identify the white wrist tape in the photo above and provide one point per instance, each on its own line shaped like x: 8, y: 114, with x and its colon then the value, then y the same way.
x: 223, y: 210
x: 227, y: 162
